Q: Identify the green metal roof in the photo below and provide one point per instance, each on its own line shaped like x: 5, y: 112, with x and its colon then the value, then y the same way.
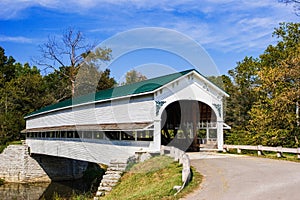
x: 126, y: 90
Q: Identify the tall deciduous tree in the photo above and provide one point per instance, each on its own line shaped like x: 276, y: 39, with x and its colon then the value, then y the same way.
x: 240, y: 86
x: 66, y: 56
x: 274, y: 115
x: 264, y: 103
x: 22, y: 91
x: 245, y: 79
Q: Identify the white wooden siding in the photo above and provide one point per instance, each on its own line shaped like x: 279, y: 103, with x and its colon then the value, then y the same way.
x: 117, y: 112
x: 93, y: 151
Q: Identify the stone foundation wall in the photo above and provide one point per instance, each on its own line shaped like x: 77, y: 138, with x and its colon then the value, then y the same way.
x: 16, y: 165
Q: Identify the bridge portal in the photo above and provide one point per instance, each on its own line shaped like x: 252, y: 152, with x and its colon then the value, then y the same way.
x: 182, y: 122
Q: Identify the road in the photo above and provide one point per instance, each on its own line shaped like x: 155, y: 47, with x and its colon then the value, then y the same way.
x: 235, y: 177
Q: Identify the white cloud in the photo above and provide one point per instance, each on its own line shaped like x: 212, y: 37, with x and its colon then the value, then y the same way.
x: 226, y: 25
x: 16, y: 39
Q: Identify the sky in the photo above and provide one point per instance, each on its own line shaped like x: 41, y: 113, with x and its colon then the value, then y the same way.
x: 226, y: 30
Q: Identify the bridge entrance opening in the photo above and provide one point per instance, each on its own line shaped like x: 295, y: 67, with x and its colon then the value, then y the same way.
x: 188, y: 123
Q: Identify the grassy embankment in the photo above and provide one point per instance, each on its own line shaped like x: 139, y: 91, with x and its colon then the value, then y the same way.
x: 153, y: 179
x: 266, y: 154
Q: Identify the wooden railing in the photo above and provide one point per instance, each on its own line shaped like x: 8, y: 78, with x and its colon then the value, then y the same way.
x: 260, y: 149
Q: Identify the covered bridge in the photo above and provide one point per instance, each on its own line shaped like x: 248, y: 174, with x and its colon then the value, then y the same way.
x: 167, y: 110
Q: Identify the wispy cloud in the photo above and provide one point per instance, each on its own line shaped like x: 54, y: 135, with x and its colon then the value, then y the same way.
x: 16, y: 39
x: 226, y: 25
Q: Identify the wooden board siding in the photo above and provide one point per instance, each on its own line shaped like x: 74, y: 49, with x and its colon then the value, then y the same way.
x: 101, y: 151
x: 115, y: 113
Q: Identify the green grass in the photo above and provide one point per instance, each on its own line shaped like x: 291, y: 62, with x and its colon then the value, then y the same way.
x: 151, y: 180
x: 266, y: 154
x: 3, y: 146
x: 74, y: 197
x: 1, y: 181
x: 18, y: 142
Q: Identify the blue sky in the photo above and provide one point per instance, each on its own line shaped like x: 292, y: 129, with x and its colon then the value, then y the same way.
x: 228, y: 30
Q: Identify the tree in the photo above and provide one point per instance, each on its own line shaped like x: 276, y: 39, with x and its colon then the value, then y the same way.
x: 22, y: 91
x: 69, y: 54
x: 105, y: 81
x: 7, y: 68
x: 134, y: 76
x: 91, y: 80
x: 243, y: 95
x: 57, y: 85
x: 240, y: 85
x: 296, y: 4
x: 274, y: 114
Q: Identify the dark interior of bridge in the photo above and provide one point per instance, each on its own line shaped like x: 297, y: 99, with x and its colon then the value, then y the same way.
x: 182, y: 121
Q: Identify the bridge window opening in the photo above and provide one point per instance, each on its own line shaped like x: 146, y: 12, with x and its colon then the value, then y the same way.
x: 69, y: 134
x: 145, y: 135
x: 112, y: 135
x: 63, y: 134
x: 98, y: 135
x: 87, y: 134
x: 76, y: 135
x: 128, y: 135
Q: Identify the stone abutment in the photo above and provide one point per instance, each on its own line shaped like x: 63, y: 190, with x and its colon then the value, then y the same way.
x: 17, y: 165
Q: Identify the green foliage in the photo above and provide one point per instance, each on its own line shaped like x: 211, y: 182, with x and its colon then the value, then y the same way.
x: 23, y: 90
x: 72, y: 53
x: 2, y: 147
x: 93, y: 171
x: 105, y: 81
x: 58, y: 86
x: 273, y: 117
x: 265, y: 94
x: 133, y: 76
x: 74, y: 197
x: 1, y: 181
x: 90, y: 80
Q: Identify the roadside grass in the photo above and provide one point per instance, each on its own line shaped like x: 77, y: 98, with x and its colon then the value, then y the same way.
x: 267, y: 154
x: 18, y: 142
x: 153, y: 179
x: 2, y: 147
x: 74, y: 197
x: 2, y: 181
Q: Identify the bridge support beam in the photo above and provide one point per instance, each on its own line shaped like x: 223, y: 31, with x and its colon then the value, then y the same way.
x: 220, y: 137
x: 156, y: 136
